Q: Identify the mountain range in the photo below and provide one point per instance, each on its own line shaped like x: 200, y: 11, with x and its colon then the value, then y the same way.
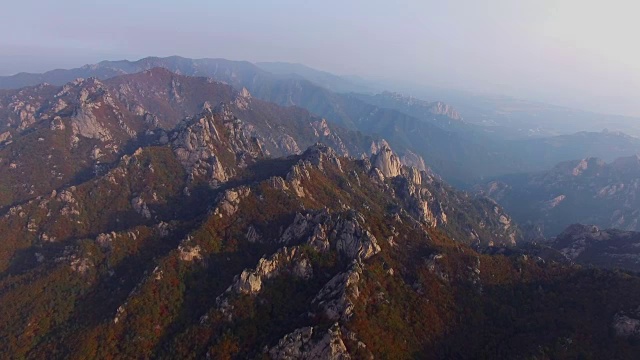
x: 462, y: 155
x: 588, y: 191
x: 177, y: 208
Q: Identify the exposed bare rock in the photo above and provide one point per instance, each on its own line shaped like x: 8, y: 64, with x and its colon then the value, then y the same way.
x: 5, y: 136
x: 215, y: 144
x: 297, y: 188
x: 26, y: 112
x: 295, y: 176
x: 278, y: 183
x: 352, y: 240
x: 45, y: 237
x: 299, y: 227
x: 243, y: 99
x: 414, y: 176
x: 579, y: 235
x: 506, y: 225
x: 86, y: 124
x: 306, y: 345
x: 440, y: 108
x: 80, y: 265
x: 57, y: 124
x: 580, y: 168
x: 336, y: 299
x: 229, y: 201
x: 105, y: 240
x: 377, y: 175
x: 434, y: 265
x: 189, y: 253
x: 554, y: 202
x: 413, y: 106
x: 627, y: 325
x: 311, y: 229
x: 288, y: 144
x: 252, y: 235
x: 387, y: 162
x: 70, y: 206
x: 250, y: 281
x: 76, y: 262
x: 411, y: 159
x: 319, y: 154
x: 194, y: 146
x: 321, y: 128
x: 163, y: 229
x: 376, y: 146
x: 140, y: 206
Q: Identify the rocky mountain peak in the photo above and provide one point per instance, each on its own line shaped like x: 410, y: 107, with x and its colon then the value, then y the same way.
x: 245, y: 93
x: 587, y: 164
x: 440, y: 108
x: 319, y: 153
x: 387, y: 162
x: 243, y: 99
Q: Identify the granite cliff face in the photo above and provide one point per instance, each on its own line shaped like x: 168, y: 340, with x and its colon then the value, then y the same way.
x: 386, y: 162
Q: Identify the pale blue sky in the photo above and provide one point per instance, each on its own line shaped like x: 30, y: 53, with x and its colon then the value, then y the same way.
x: 577, y: 53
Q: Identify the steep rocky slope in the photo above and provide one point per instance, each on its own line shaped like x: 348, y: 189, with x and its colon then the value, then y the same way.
x: 588, y: 191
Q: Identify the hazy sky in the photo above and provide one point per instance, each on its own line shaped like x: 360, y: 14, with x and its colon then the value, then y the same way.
x: 583, y: 54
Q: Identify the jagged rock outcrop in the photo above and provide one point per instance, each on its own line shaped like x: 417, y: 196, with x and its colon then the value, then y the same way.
x: 228, y: 201
x: 440, y: 108
x: 430, y: 202
x: 336, y: 299
x: 305, y: 344
x: 627, y: 324
x: 243, y: 99
x: 194, y: 146
x: 311, y: 229
x: 387, y: 162
x: 141, y: 207
x: 319, y: 153
x: 352, y: 240
x: 286, y: 259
